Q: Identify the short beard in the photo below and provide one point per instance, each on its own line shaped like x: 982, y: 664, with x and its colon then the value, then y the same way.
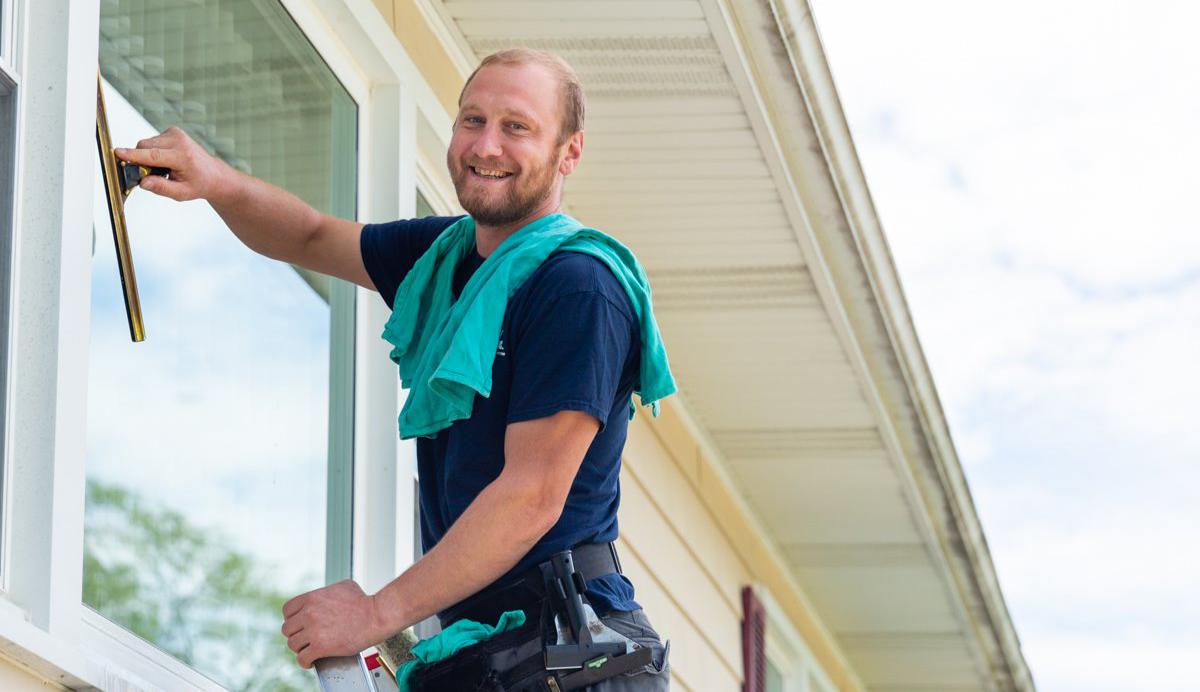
x: 515, y: 205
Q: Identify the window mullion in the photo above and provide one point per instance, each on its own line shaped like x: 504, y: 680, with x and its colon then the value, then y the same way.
x: 50, y: 314
x: 382, y: 506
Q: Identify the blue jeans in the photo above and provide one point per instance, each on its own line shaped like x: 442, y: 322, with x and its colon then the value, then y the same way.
x: 655, y: 677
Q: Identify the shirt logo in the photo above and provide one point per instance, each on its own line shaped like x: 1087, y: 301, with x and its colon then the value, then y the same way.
x: 500, y: 348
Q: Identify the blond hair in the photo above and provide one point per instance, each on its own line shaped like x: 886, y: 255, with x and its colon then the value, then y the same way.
x: 571, y: 91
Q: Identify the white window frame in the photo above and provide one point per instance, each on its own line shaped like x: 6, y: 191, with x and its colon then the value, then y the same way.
x: 435, y: 186
x: 10, y: 13
x: 44, y: 624
x: 10, y: 44
x: 787, y: 651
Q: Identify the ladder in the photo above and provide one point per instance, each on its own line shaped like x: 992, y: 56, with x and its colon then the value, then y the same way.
x: 355, y: 674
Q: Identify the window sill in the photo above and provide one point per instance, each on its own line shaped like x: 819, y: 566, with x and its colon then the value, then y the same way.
x: 104, y: 657
x: 126, y: 657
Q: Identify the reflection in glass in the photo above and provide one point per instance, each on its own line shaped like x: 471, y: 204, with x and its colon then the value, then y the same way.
x: 209, y: 444
x: 423, y: 206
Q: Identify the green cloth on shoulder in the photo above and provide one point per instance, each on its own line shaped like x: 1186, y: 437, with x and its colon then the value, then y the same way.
x: 451, y: 640
x: 445, y: 347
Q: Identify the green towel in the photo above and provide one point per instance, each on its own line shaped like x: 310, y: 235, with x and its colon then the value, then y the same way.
x: 445, y: 347
x: 451, y: 640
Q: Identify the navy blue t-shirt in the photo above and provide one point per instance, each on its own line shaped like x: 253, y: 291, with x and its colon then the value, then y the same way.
x: 569, y: 341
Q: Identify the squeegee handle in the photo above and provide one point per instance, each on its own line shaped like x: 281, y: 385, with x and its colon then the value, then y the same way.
x: 567, y: 582
x: 132, y: 173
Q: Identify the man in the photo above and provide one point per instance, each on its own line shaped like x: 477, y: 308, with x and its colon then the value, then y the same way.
x: 533, y: 469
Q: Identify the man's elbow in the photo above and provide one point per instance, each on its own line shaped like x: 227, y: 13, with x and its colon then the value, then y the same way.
x: 539, y: 510
x: 545, y: 514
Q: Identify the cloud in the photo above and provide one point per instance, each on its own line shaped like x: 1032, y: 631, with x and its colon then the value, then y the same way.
x: 1145, y: 660
x: 1031, y: 163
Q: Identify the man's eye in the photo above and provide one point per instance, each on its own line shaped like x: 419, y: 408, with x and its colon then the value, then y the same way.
x: 517, y: 126
x: 473, y: 119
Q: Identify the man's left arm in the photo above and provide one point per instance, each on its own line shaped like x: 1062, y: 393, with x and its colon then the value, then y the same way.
x: 510, y: 515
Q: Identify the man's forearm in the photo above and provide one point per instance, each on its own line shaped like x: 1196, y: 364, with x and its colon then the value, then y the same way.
x: 490, y: 537
x: 268, y: 219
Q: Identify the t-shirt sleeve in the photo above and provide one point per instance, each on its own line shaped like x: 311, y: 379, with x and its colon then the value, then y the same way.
x: 389, y: 250
x: 569, y: 355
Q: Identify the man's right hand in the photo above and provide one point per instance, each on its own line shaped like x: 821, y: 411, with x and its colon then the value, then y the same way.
x: 269, y: 220
x: 195, y: 174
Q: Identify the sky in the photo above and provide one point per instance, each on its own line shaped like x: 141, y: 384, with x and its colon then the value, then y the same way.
x: 1034, y: 168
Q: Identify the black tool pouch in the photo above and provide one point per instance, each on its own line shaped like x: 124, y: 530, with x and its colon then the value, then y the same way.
x: 508, y: 662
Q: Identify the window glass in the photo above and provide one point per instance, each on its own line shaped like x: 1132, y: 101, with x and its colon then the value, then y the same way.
x: 430, y: 625
x: 423, y: 206
x: 210, y: 444
x: 774, y: 678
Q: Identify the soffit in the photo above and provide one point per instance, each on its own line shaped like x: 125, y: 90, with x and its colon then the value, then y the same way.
x: 674, y: 168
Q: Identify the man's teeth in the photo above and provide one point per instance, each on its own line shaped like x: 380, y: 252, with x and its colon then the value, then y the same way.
x: 491, y: 173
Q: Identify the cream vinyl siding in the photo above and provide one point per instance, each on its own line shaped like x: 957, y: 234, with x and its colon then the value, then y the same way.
x: 13, y: 678
x: 685, y: 571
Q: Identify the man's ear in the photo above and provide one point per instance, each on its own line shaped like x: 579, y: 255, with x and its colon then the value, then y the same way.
x: 572, y: 153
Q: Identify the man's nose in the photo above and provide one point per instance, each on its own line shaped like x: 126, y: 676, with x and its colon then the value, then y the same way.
x: 487, y: 144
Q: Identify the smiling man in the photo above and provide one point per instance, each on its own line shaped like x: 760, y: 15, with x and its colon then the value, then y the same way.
x: 523, y: 336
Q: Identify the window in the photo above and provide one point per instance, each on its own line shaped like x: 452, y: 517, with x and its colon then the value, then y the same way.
x: 8, y: 169
x: 219, y: 450
x: 79, y: 581
x: 423, y: 206
x: 788, y: 664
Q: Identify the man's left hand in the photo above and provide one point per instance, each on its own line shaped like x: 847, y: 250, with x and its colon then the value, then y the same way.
x: 336, y: 620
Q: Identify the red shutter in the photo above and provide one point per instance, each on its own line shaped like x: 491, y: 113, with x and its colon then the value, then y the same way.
x: 754, y: 642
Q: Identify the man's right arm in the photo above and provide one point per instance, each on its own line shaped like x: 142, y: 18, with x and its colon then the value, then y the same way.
x: 268, y: 219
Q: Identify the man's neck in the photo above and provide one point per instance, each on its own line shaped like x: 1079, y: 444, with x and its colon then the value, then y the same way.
x: 488, y: 238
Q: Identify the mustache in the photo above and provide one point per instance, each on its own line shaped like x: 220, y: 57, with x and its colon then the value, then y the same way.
x: 491, y: 166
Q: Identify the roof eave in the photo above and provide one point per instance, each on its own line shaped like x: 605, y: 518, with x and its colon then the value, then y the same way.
x: 856, y: 276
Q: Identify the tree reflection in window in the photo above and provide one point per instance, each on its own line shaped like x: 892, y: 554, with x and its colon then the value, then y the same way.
x: 181, y: 586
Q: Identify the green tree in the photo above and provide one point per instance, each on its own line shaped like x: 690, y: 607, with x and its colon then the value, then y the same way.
x: 182, y: 588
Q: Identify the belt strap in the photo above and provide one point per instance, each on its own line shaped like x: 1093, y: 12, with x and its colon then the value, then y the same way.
x: 595, y: 560
x: 527, y: 591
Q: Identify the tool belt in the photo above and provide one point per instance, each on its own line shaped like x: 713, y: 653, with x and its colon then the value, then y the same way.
x: 562, y: 645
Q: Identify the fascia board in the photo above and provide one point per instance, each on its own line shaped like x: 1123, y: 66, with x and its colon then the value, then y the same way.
x: 799, y: 30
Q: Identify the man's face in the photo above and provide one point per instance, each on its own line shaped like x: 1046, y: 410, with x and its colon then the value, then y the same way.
x: 504, y: 156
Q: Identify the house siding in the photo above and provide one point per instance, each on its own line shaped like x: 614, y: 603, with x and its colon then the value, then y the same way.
x: 684, y: 570
x: 15, y: 678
